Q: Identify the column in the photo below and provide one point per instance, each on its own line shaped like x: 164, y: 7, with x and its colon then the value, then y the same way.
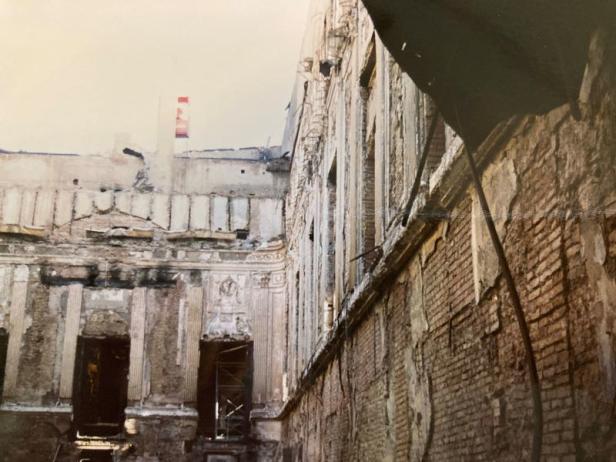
x: 71, y: 332
x: 137, y: 343
x: 19, y: 295
x: 193, y: 336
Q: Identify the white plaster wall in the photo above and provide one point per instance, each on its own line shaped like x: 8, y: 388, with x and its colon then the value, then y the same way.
x: 59, y: 171
x: 243, y: 173
x: 266, y: 218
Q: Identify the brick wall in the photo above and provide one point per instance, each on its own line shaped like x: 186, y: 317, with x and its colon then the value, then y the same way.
x: 436, y: 369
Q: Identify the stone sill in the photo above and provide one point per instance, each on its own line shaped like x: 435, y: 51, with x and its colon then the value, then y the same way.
x: 25, y: 231
x: 267, y: 413
x: 202, y: 235
x: 94, y: 444
x: 14, y: 408
x: 447, y: 183
x: 154, y: 412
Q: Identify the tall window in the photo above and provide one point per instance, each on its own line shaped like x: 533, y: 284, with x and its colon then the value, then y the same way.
x: 330, y: 250
x: 428, y: 111
x: 298, y: 308
x: 310, y: 292
x: 367, y: 190
x: 368, y: 209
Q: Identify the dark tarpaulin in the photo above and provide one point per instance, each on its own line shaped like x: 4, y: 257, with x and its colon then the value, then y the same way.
x: 483, y: 61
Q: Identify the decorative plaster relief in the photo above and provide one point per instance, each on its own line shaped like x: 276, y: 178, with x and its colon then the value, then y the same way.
x: 227, y: 313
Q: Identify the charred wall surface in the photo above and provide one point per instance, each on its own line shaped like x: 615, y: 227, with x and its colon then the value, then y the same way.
x: 423, y: 359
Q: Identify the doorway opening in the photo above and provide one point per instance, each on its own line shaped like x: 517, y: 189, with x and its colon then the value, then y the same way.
x: 100, y: 386
x: 225, y: 389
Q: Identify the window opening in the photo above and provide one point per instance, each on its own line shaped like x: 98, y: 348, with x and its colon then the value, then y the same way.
x: 225, y: 389
x: 366, y: 78
x: 330, y: 271
x: 297, y: 311
x: 95, y: 456
x: 438, y: 144
x: 221, y: 458
x: 367, y: 193
x: 368, y: 209
x: 101, y: 385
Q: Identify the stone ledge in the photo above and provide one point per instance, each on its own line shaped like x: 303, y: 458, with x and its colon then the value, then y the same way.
x: 27, y: 231
x: 155, y: 412
x: 119, y: 233
x: 13, y: 408
x: 201, y: 235
x: 261, y: 259
x: 266, y: 413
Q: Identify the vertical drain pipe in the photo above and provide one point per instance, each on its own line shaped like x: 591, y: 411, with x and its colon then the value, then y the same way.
x: 519, y: 313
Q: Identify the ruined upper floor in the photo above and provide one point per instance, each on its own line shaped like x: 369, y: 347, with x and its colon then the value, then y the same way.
x: 228, y: 197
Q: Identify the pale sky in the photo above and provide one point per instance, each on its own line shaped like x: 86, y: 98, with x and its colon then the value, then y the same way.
x: 73, y: 73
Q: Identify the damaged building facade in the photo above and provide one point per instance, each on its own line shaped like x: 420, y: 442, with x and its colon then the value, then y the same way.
x: 402, y: 339
x: 141, y: 299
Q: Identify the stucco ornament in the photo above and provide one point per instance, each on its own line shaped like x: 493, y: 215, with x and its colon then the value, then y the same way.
x: 229, y: 313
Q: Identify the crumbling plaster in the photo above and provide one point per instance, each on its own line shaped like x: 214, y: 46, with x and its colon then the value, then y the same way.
x: 121, y: 262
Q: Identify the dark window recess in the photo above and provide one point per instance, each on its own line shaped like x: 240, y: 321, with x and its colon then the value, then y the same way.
x: 438, y: 143
x: 298, y: 310
x: 242, y: 233
x: 368, y: 210
x: 331, y: 231
x: 221, y: 458
x: 225, y: 390
x: 287, y: 455
x: 100, y: 385
x: 95, y: 456
x: 325, y: 67
x: 366, y: 78
x: 4, y: 343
